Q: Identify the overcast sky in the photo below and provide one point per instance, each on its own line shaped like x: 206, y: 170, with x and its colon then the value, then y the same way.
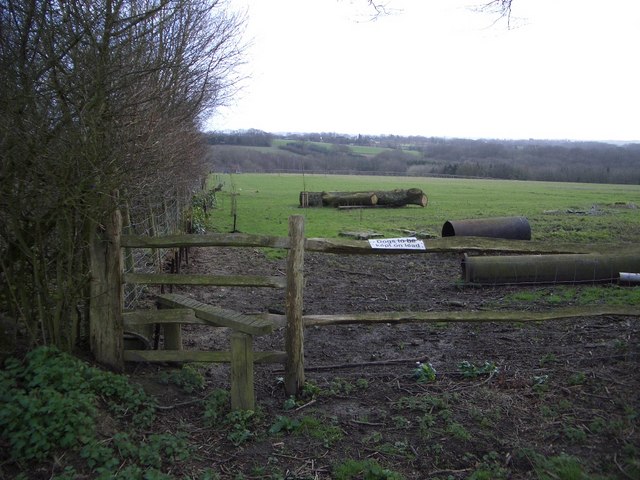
x: 566, y: 69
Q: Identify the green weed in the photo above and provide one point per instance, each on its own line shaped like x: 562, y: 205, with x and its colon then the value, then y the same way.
x: 424, y: 372
x: 471, y: 370
x: 490, y: 468
x: 547, y: 359
x: 399, y: 448
x: 324, y: 430
x: 241, y: 422
x: 363, y: 470
x: 400, y: 422
x: 362, y: 383
x: 189, y: 378
x: 372, y: 439
x: 424, y: 403
x: 540, y: 383
x: 215, y: 407
x: 284, y: 424
x: 458, y: 431
x: 563, y: 467
x: 290, y: 403
x: 425, y: 425
x: 577, y: 378
x: 340, y: 386
x: 575, y: 435
x: 49, y: 403
x: 311, y: 390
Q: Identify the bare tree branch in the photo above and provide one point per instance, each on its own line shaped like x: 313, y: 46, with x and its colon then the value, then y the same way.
x: 500, y: 7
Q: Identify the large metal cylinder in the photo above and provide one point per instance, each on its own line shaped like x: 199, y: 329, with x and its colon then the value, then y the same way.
x: 514, y: 228
x: 532, y: 269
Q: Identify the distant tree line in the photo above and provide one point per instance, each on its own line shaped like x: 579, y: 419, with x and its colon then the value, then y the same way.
x: 247, y: 138
x: 560, y: 161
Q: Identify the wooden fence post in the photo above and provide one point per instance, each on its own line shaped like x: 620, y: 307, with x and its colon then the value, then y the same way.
x: 294, y: 335
x: 242, y: 391
x: 106, y: 328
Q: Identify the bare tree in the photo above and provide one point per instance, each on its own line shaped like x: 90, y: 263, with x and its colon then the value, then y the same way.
x: 500, y: 7
x: 96, y: 97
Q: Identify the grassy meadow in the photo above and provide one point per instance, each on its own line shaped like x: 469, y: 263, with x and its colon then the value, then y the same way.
x: 568, y: 212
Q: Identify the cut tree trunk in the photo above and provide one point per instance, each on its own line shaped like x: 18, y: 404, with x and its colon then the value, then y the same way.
x: 339, y: 199
x: 390, y: 198
x: 400, y: 198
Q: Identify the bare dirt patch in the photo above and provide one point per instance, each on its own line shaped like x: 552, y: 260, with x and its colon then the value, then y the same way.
x: 561, y: 392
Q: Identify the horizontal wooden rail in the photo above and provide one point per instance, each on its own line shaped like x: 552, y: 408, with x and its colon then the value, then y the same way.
x: 470, y: 316
x: 360, y: 247
x: 170, y: 315
x: 477, y: 316
x: 213, y: 280
x: 197, y: 356
x: 205, y: 240
x: 466, y: 244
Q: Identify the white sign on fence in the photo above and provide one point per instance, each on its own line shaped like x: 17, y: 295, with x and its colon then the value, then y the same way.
x: 408, y: 243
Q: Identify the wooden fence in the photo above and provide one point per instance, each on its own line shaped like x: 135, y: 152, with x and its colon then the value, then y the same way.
x: 108, y: 320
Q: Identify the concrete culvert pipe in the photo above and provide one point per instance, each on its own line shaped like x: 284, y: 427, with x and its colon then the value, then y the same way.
x: 533, y: 269
x: 514, y: 228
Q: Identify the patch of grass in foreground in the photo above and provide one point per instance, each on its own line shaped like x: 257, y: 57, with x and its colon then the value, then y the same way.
x: 363, y: 469
x: 568, y: 295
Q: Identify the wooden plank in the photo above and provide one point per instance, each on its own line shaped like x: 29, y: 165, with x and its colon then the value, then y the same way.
x: 471, y: 316
x: 294, y: 333
x: 180, y: 356
x: 466, y: 244
x: 219, y: 317
x: 206, y: 240
x: 216, y: 280
x: 330, y: 245
x: 171, y: 315
x: 242, y: 392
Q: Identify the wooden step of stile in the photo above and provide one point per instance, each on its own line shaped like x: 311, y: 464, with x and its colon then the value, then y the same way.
x: 217, y: 316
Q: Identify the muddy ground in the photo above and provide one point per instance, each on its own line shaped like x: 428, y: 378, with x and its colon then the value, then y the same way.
x: 562, y: 394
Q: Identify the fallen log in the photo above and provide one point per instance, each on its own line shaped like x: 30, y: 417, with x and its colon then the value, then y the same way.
x: 339, y: 199
x: 389, y: 198
x: 400, y: 198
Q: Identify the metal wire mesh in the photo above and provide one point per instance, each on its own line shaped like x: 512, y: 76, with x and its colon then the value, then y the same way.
x: 158, y: 216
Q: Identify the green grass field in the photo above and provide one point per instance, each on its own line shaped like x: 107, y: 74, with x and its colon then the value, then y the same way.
x: 568, y: 212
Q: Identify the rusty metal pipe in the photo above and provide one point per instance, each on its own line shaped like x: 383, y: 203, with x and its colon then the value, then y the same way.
x: 514, y: 228
x: 533, y: 269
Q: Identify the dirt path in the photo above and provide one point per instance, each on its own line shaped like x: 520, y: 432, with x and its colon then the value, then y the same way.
x: 549, y: 392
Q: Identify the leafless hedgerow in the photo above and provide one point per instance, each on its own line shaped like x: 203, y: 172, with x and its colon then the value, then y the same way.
x: 96, y: 97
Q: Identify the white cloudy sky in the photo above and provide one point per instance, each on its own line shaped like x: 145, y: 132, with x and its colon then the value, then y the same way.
x: 567, y: 69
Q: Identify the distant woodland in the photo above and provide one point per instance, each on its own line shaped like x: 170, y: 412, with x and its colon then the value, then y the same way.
x: 544, y: 160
